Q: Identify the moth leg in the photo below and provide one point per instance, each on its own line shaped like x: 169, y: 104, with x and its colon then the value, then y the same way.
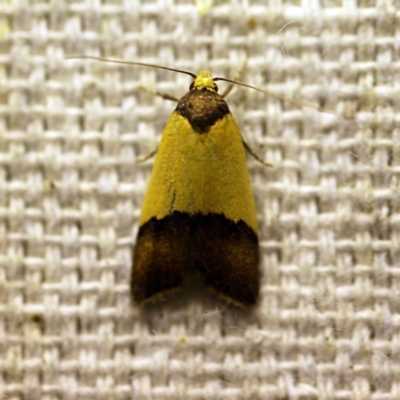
x: 235, y: 78
x: 163, y: 95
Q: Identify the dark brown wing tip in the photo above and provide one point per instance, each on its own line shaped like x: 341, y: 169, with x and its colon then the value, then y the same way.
x: 223, y: 251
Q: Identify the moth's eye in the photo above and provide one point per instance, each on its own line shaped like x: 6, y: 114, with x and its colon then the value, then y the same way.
x: 215, y: 87
x: 191, y: 86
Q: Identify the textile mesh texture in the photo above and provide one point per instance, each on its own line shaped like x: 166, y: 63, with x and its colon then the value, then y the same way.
x: 327, y: 325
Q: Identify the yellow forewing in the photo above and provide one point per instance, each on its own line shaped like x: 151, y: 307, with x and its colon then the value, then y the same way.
x: 200, y: 173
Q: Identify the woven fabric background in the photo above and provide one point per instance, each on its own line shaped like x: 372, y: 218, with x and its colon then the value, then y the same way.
x: 327, y: 325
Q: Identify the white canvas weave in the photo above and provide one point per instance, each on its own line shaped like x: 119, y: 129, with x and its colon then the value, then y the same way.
x: 328, y: 323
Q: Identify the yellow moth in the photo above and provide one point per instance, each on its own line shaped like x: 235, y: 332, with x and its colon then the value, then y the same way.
x: 199, y: 211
